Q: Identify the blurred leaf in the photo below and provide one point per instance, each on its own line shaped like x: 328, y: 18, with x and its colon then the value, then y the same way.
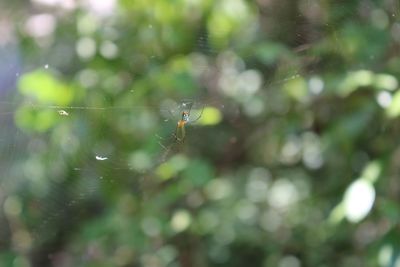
x: 351, y: 125
x: 337, y: 214
x: 37, y: 120
x: 393, y: 110
x: 385, y: 82
x: 353, y: 38
x: 365, y: 78
x: 177, y: 77
x: 391, y: 210
x: 7, y: 258
x: 227, y: 17
x: 172, y: 167
x: 198, y: 172
x: 354, y: 80
x: 165, y: 171
x: 296, y: 88
x: 269, y: 52
x: 210, y: 116
x: 372, y: 171
x: 45, y: 89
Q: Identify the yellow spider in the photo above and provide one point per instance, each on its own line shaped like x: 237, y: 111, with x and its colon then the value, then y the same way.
x: 180, y: 132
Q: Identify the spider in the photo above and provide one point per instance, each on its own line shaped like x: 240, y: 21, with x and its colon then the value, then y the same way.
x: 180, y: 132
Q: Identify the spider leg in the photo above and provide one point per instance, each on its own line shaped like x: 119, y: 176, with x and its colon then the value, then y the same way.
x: 198, y: 117
x: 171, y: 114
x: 187, y: 104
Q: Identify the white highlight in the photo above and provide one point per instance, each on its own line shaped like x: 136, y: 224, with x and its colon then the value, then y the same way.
x: 101, y: 8
x: 316, y: 85
x: 385, y: 254
x: 86, y: 47
x: 66, y: 4
x: 289, y: 261
x: 180, y: 220
x: 384, y: 99
x: 101, y: 158
x: 108, y: 50
x: 358, y: 200
x: 40, y: 25
x: 283, y: 194
x: 63, y: 113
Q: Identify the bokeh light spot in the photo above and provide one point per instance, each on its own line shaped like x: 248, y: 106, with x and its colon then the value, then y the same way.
x: 358, y: 200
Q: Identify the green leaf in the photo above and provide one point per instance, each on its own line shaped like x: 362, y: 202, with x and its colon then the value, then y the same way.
x: 198, y: 172
x: 269, y: 52
x: 296, y: 88
x: 210, y: 116
x: 45, y: 88
x: 31, y: 119
x: 393, y: 110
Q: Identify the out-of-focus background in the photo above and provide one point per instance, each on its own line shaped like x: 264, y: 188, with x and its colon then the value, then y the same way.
x: 292, y: 157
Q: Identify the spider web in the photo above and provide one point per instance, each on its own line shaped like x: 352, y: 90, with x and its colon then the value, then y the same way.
x: 103, y: 161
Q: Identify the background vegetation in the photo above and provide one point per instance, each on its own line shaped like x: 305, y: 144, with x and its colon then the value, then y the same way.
x: 294, y: 161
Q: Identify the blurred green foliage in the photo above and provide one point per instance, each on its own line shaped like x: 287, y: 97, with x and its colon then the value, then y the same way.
x: 293, y: 162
